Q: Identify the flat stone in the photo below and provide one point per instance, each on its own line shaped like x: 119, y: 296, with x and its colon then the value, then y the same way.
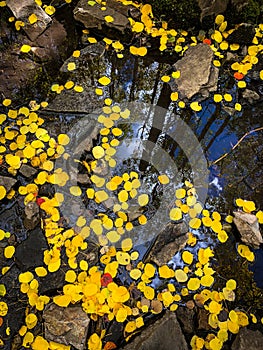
x: 27, y: 170
x: 250, y: 95
x: 198, y: 74
x: 7, y: 182
x: 93, y: 17
x: 29, y: 253
x: 172, y: 239
x: 186, y: 318
x: 248, y: 227
x: 248, y: 339
x: 68, y: 326
x: 23, y: 9
x: 244, y: 34
x: 164, y: 334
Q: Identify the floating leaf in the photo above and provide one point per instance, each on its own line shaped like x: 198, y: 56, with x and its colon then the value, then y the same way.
x: 25, y: 48
x: 104, y: 80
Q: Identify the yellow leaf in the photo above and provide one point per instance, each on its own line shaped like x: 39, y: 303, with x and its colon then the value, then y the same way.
x: 165, y: 78
x: 163, y: 179
x: 32, y: 18
x: 174, y: 96
x: 175, y: 214
x: 195, y: 106
x: 219, y: 19
x: 109, y: 19
x: 25, y: 277
x: 2, y: 192
x: 180, y: 275
x: 218, y: 36
x: 104, y: 80
x: 137, y: 27
x: 50, y: 10
x: 62, y: 300
x: 98, y: 152
x: 187, y: 257
x: 31, y: 320
x: 25, y: 48
x: 143, y: 200
x: 70, y: 276
x: 75, y: 191
x: 71, y: 66
x: 9, y: 251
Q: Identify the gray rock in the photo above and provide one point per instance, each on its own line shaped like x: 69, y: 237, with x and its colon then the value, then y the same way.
x: 172, y: 239
x: 164, y: 334
x: 248, y: 339
x: 7, y: 182
x: 23, y: 9
x: 186, y: 318
x: 68, y: 326
x: 248, y: 227
x: 93, y: 17
x: 27, y: 170
x: 212, y: 8
x: 198, y: 74
x: 29, y: 253
x: 32, y: 217
x: 250, y: 95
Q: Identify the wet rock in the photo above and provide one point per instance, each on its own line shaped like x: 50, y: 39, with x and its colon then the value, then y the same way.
x: 186, y: 318
x: 198, y: 74
x: 7, y: 182
x: 202, y: 320
x: 93, y: 16
x: 212, y: 8
x: 29, y: 253
x: 244, y: 34
x: 248, y: 339
x: 68, y: 326
x: 250, y: 95
x: 27, y: 170
x: 23, y: 9
x: 164, y: 334
x: 32, y: 218
x: 248, y: 227
x: 134, y: 211
x: 172, y: 239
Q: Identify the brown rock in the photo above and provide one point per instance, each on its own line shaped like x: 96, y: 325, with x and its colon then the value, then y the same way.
x: 7, y: 182
x: 248, y: 339
x: 248, y: 227
x: 198, y: 74
x: 164, y: 334
x: 27, y: 170
x: 212, y: 8
x: 68, y: 326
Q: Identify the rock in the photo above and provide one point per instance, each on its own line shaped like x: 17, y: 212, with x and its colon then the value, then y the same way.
x: 212, y: 8
x: 27, y: 170
x: 186, y: 318
x: 93, y: 16
x: 239, y: 4
x: 172, y: 239
x: 32, y: 216
x: 23, y: 9
x: 250, y: 95
x: 68, y: 326
x: 29, y: 253
x: 248, y: 339
x: 134, y: 211
x: 244, y: 34
x: 198, y: 74
x: 202, y: 319
x: 164, y: 334
x: 7, y: 182
x: 248, y: 227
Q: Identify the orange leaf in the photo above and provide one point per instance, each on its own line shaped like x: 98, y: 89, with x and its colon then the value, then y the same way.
x: 238, y: 75
x: 109, y: 346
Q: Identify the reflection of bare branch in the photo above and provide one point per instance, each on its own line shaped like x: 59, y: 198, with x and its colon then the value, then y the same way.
x: 236, y: 145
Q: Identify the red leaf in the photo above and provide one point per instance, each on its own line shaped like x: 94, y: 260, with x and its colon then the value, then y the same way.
x: 207, y: 41
x: 238, y: 75
x: 106, y: 279
x: 40, y: 201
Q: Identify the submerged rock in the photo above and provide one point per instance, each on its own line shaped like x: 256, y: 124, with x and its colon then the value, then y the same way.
x: 197, y: 72
x: 248, y: 339
x: 164, y: 334
x: 248, y: 227
x: 23, y: 9
x: 212, y: 8
x: 27, y: 170
x: 7, y: 182
x: 94, y: 17
x: 68, y: 326
x: 172, y: 239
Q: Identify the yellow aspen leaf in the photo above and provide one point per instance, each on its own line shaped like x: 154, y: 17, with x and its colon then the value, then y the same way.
x: 6, y: 102
x: 218, y: 97
x: 62, y: 300
x: 40, y: 343
x: 238, y: 107
x: 137, y: 27
x: 104, y: 80
x: 32, y: 18
x: 98, y: 152
x: 207, y: 280
x: 31, y: 320
x: 261, y: 74
x: 50, y: 10
x: 241, y: 84
x: 109, y: 19
x: 149, y: 293
x: 41, y: 271
x: 214, y: 307
x: 187, y: 257
x: 193, y: 283
x: 28, y: 339
x: 219, y: 19
x: 174, y: 96
x: 78, y: 88
x: 223, y: 26
x: 25, y: 48
x: 149, y: 270
x: 176, y: 214
x: 9, y: 251
x: 126, y: 244
x: 75, y: 191
x: 71, y: 66
x: 143, y: 199
x: 135, y: 274
x: 163, y: 179
x: 92, y: 40
x: 218, y: 36
x: 180, y: 276
x: 70, y: 276
x: 165, y: 78
x: 223, y: 45
x: 195, y: 223
x: 222, y: 236
x: 259, y: 215
x: 180, y: 193
x: 25, y: 277
x: 176, y: 74
x: 228, y: 97
x: 130, y: 327
x: 195, y: 106
x: 121, y: 315
x: 2, y: 192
